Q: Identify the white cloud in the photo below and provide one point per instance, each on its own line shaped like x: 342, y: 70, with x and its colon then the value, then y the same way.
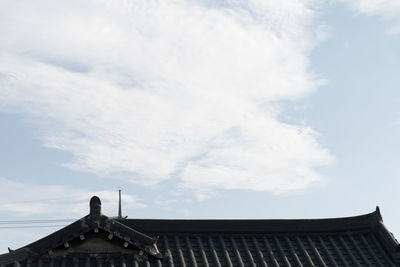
x: 387, y: 9
x: 25, y: 199
x: 155, y: 90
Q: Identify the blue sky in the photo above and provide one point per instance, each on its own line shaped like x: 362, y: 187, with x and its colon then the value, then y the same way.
x: 198, y: 109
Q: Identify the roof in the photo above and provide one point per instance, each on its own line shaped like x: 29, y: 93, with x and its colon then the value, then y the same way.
x: 97, y: 240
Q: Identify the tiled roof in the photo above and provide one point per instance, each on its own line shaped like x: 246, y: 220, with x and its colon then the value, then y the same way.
x: 97, y: 240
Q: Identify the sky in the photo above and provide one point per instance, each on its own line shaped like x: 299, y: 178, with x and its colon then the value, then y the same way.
x: 197, y: 109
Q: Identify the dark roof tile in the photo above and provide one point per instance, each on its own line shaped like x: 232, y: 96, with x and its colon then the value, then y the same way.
x: 353, y: 241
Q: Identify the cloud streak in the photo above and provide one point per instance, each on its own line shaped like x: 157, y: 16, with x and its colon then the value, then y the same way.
x: 160, y: 90
x: 388, y: 10
x: 26, y: 199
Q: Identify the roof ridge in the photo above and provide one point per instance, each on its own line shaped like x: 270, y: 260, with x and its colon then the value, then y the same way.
x: 361, y: 223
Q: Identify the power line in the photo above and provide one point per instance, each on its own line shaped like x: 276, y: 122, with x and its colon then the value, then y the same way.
x: 37, y: 221
x: 18, y: 224
x: 71, y: 198
x: 31, y: 226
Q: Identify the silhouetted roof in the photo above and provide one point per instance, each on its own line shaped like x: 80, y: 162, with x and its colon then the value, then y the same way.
x: 97, y: 240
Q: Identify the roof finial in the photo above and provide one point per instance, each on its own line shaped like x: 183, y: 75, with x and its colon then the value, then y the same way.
x: 119, y: 203
x: 95, y: 208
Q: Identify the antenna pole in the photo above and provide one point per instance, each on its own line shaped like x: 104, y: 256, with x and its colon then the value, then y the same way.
x: 119, y: 205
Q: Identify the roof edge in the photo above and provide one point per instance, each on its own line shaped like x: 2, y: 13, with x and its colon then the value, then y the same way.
x: 15, y: 255
x: 355, y: 223
x: 389, y: 242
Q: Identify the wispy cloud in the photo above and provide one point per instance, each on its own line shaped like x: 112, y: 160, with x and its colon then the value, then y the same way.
x: 26, y: 199
x: 157, y: 90
x: 389, y: 10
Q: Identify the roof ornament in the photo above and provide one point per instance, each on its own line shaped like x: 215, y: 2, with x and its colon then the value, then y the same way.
x: 95, y: 209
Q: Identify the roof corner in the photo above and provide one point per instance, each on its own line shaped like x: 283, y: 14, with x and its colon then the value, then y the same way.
x: 378, y: 214
x: 386, y: 238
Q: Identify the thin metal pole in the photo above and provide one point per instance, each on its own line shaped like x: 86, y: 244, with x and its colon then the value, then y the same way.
x: 119, y: 206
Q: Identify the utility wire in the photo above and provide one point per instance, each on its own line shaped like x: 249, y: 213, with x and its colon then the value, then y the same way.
x: 31, y: 226
x: 34, y: 223
x: 71, y: 198
x: 37, y: 221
